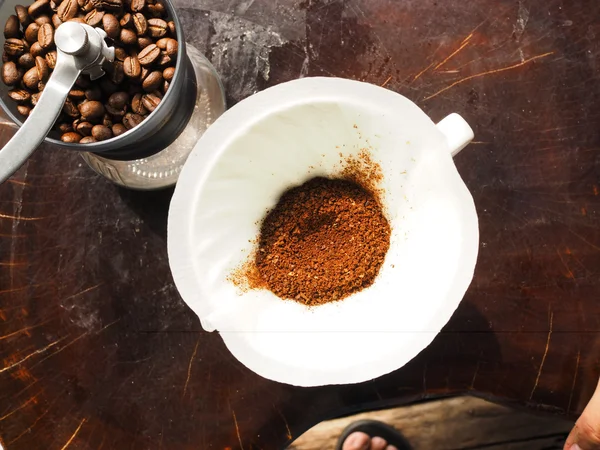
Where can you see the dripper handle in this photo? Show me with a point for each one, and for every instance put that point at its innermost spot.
(457, 131)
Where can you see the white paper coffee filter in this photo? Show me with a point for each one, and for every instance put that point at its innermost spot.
(280, 138)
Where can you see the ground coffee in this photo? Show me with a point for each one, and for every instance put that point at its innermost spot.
(323, 241)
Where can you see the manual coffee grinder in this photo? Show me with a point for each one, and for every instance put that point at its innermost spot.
(148, 156)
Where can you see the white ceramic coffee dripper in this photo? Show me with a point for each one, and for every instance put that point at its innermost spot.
(282, 137)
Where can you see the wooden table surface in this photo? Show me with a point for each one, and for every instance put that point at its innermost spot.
(97, 348)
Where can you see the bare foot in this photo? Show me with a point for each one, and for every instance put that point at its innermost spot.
(362, 441)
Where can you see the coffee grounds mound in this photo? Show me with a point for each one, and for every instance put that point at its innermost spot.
(323, 241)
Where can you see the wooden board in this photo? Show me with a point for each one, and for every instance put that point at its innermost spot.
(452, 424)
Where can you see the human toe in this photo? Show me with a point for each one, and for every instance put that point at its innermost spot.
(378, 443)
(357, 441)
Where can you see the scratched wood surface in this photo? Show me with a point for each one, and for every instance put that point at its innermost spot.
(98, 350)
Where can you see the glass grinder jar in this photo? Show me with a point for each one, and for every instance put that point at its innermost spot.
(150, 155)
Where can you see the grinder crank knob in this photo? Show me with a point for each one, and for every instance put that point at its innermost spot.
(71, 38)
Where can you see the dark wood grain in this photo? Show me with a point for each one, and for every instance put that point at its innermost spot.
(98, 350)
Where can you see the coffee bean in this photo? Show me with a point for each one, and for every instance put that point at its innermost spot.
(162, 43)
(101, 132)
(148, 55)
(126, 21)
(140, 23)
(137, 5)
(115, 112)
(12, 27)
(23, 15)
(118, 129)
(157, 27)
(156, 10)
(46, 36)
(172, 29)
(108, 5)
(85, 5)
(36, 49)
(137, 105)
(41, 85)
(157, 93)
(91, 109)
(54, 4)
(31, 32)
(151, 12)
(35, 98)
(132, 120)
(31, 79)
(94, 17)
(42, 68)
(71, 137)
(118, 99)
(117, 74)
(84, 128)
(168, 73)
(144, 73)
(150, 102)
(67, 10)
(42, 20)
(23, 110)
(26, 61)
(51, 59)
(169, 45)
(165, 86)
(111, 26)
(164, 59)
(78, 20)
(70, 109)
(6, 58)
(152, 81)
(87, 140)
(64, 127)
(131, 67)
(56, 22)
(19, 95)
(128, 37)
(144, 41)
(38, 7)
(11, 74)
(172, 47)
(94, 93)
(107, 120)
(120, 54)
(77, 94)
(14, 46)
